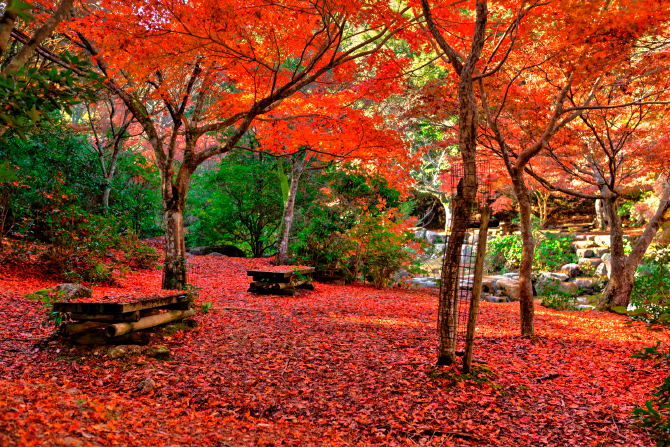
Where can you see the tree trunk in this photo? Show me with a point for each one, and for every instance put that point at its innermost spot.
(447, 313)
(289, 206)
(601, 216)
(174, 269)
(622, 275)
(105, 199)
(526, 302)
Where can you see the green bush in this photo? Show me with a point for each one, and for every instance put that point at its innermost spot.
(654, 415)
(554, 297)
(553, 251)
(382, 248)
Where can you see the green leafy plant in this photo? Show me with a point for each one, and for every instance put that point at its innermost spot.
(654, 415)
(205, 307)
(47, 298)
(554, 297)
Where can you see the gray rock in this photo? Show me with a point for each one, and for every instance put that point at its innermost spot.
(420, 233)
(117, 352)
(594, 262)
(190, 220)
(600, 251)
(431, 237)
(602, 241)
(572, 270)
(606, 256)
(217, 254)
(439, 248)
(602, 270)
(580, 237)
(425, 282)
(559, 276)
(582, 245)
(159, 352)
(494, 299)
(509, 288)
(584, 307)
(585, 284)
(488, 285)
(401, 274)
(585, 253)
(226, 250)
(64, 292)
(568, 287)
(546, 279)
(586, 299)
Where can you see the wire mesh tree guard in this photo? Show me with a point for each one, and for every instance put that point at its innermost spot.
(464, 275)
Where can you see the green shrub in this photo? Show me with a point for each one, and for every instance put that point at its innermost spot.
(553, 251)
(554, 297)
(654, 415)
(503, 253)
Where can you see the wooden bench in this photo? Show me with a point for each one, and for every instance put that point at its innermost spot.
(109, 322)
(281, 282)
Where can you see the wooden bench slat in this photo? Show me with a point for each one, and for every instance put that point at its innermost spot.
(119, 308)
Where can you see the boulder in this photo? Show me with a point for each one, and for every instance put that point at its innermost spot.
(572, 270)
(439, 248)
(582, 245)
(585, 253)
(559, 276)
(420, 233)
(568, 287)
(64, 292)
(593, 262)
(190, 220)
(488, 285)
(424, 282)
(494, 299)
(600, 251)
(602, 270)
(602, 241)
(431, 237)
(606, 256)
(225, 250)
(217, 254)
(509, 288)
(117, 352)
(580, 237)
(586, 284)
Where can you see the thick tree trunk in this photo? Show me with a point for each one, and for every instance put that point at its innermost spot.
(526, 302)
(622, 275)
(289, 206)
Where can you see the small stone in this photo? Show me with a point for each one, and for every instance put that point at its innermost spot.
(117, 352)
(159, 353)
(72, 442)
(146, 386)
(584, 307)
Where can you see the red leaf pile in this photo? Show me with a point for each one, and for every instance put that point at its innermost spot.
(343, 365)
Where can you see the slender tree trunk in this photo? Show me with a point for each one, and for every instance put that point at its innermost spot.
(601, 216)
(174, 200)
(289, 206)
(105, 198)
(526, 302)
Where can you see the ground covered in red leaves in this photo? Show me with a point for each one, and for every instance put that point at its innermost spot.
(343, 365)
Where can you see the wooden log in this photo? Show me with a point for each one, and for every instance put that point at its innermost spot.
(114, 330)
(99, 337)
(148, 312)
(476, 290)
(131, 316)
(69, 329)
